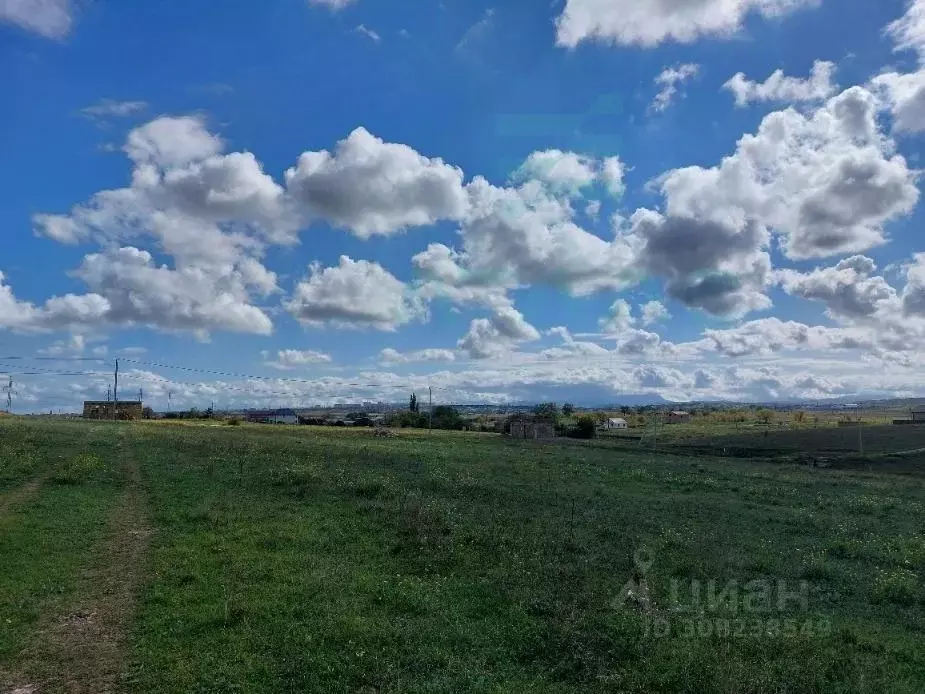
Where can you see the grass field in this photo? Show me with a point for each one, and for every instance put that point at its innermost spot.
(150, 557)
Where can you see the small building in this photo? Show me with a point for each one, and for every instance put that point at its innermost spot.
(918, 415)
(282, 416)
(531, 428)
(678, 417)
(616, 423)
(107, 409)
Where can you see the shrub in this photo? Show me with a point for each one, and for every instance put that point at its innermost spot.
(585, 428)
(234, 422)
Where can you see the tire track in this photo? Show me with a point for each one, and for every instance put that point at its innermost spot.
(86, 650)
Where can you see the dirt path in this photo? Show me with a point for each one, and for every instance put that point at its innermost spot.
(21, 495)
(86, 650)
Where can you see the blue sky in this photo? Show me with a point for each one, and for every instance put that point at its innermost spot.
(489, 191)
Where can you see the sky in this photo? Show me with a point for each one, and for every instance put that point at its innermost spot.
(316, 201)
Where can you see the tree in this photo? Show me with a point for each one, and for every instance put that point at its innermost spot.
(548, 410)
(413, 404)
(765, 415)
(624, 410)
(568, 409)
(585, 428)
(446, 417)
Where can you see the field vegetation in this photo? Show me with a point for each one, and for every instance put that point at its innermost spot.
(164, 557)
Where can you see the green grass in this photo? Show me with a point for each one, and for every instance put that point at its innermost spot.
(303, 559)
(45, 541)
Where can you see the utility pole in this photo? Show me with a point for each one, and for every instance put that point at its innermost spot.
(655, 439)
(860, 436)
(109, 393)
(141, 395)
(9, 396)
(430, 407)
(115, 391)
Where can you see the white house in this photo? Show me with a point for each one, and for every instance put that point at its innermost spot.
(617, 423)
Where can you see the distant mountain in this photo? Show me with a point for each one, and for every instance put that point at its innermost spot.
(590, 395)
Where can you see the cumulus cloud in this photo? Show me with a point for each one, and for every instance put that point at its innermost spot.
(769, 335)
(373, 187)
(903, 94)
(392, 356)
(847, 289)
(498, 334)
(287, 359)
(716, 265)
(619, 319)
(571, 347)
(653, 312)
(647, 24)
(827, 182)
(913, 296)
(354, 294)
(68, 312)
(200, 300)
(524, 236)
(781, 88)
(568, 173)
(172, 141)
(668, 81)
(49, 18)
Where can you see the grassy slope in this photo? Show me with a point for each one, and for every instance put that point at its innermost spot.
(321, 560)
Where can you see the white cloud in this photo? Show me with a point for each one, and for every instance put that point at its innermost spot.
(498, 334)
(769, 335)
(392, 356)
(630, 22)
(287, 359)
(372, 187)
(653, 312)
(568, 174)
(58, 313)
(781, 88)
(668, 80)
(195, 299)
(847, 289)
(354, 294)
(524, 236)
(477, 32)
(904, 95)
(913, 296)
(612, 174)
(172, 141)
(371, 34)
(563, 172)
(619, 319)
(827, 182)
(334, 5)
(108, 108)
(49, 18)
(908, 32)
(571, 347)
